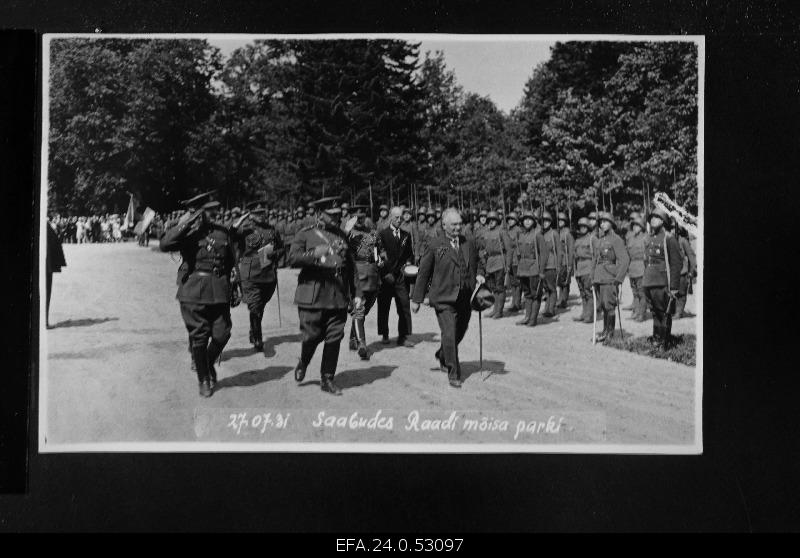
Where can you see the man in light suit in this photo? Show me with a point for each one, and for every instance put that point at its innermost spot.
(450, 265)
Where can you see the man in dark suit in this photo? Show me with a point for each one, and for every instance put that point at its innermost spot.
(53, 263)
(450, 265)
(397, 244)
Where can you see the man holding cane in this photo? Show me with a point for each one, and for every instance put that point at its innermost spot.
(450, 265)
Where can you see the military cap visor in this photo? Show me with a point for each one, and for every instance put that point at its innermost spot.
(211, 205)
(255, 203)
(198, 200)
(328, 204)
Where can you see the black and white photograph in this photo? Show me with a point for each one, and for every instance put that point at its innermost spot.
(442, 243)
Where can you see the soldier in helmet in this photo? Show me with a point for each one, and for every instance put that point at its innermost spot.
(383, 217)
(530, 267)
(594, 236)
(513, 230)
(567, 257)
(635, 244)
(552, 257)
(608, 271)
(345, 215)
(365, 243)
(661, 281)
(480, 224)
(494, 251)
(422, 231)
(205, 287)
(311, 217)
(327, 285)
(582, 257)
(259, 246)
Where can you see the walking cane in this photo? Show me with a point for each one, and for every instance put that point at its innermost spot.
(594, 316)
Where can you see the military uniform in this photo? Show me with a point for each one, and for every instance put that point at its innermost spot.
(530, 268)
(609, 267)
(662, 267)
(582, 257)
(513, 232)
(635, 244)
(258, 279)
(364, 244)
(495, 254)
(383, 219)
(565, 269)
(552, 258)
(326, 285)
(204, 290)
(688, 272)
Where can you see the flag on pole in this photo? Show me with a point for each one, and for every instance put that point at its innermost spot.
(130, 215)
(142, 225)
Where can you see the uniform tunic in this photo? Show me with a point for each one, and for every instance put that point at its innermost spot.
(204, 286)
(258, 281)
(494, 251)
(609, 268)
(530, 264)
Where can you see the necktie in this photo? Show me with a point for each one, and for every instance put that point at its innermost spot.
(397, 234)
(454, 243)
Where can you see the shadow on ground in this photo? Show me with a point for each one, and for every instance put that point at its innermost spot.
(269, 347)
(414, 338)
(474, 367)
(358, 377)
(254, 377)
(83, 322)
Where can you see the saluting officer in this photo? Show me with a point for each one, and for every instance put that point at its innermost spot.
(583, 256)
(662, 269)
(326, 286)
(495, 253)
(365, 243)
(530, 267)
(635, 243)
(552, 257)
(608, 271)
(565, 268)
(204, 290)
(259, 246)
(513, 230)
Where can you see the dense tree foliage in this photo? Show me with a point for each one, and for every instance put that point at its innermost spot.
(600, 124)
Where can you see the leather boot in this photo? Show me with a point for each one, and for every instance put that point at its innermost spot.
(353, 343)
(499, 302)
(306, 352)
(258, 336)
(214, 351)
(330, 356)
(527, 305)
(200, 354)
(612, 324)
(603, 334)
(361, 335)
(516, 299)
(252, 337)
(534, 317)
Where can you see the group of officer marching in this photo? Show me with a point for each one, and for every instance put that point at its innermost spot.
(348, 263)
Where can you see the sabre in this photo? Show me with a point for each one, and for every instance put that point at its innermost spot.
(278, 294)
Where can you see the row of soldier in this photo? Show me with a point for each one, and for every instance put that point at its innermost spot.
(348, 262)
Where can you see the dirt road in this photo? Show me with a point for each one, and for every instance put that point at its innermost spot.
(118, 371)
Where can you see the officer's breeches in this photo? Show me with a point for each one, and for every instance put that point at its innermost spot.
(204, 321)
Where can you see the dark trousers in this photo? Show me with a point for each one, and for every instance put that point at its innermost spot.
(550, 287)
(585, 289)
(607, 297)
(639, 302)
(207, 321)
(683, 291)
(453, 322)
(563, 287)
(532, 288)
(322, 325)
(394, 288)
(658, 299)
(495, 281)
(257, 295)
(360, 314)
(49, 290)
